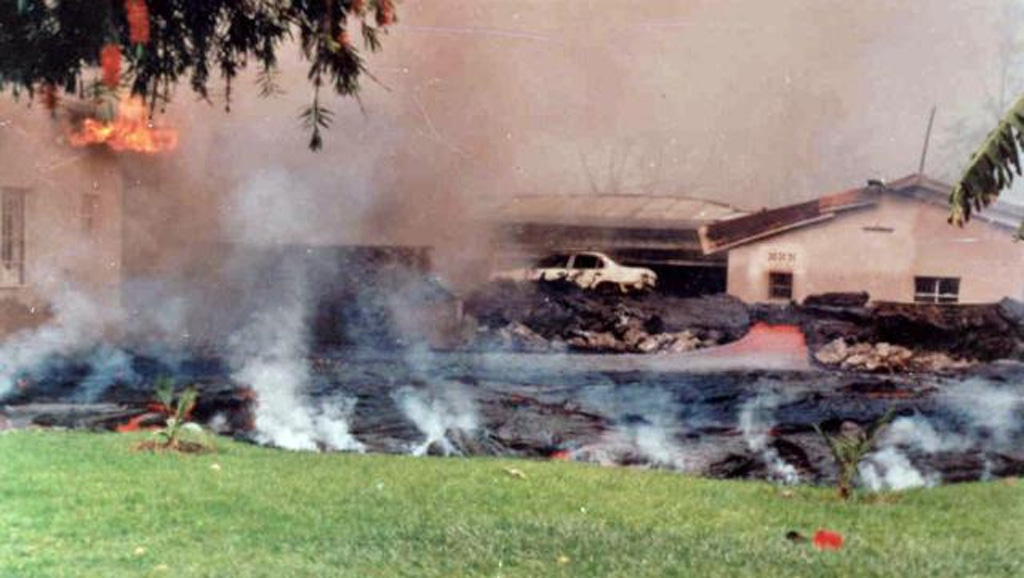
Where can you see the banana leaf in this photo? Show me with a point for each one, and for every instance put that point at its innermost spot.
(992, 169)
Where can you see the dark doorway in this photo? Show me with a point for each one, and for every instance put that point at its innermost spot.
(686, 281)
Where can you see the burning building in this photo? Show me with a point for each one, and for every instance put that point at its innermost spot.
(126, 127)
(102, 210)
(61, 221)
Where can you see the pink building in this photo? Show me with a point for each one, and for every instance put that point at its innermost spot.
(892, 241)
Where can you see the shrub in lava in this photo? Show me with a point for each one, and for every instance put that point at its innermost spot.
(850, 446)
(178, 411)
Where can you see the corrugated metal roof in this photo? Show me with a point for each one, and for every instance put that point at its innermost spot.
(616, 211)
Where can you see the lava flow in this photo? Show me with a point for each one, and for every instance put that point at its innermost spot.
(131, 130)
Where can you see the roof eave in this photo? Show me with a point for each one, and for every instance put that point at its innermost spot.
(710, 250)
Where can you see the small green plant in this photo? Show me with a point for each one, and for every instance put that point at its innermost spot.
(850, 446)
(178, 411)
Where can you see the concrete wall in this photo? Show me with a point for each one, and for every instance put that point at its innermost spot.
(65, 249)
(856, 251)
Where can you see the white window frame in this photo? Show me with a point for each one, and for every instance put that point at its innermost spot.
(935, 295)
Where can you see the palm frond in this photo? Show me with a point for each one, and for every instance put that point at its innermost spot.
(992, 168)
(165, 392)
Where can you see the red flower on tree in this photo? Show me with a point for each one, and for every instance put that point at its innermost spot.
(138, 21)
(385, 12)
(110, 61)
(345, 39)
(826, 540)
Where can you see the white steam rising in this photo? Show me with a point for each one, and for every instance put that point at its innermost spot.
(269, 355)
(107, 365)
(890, 469)
(657, 443)
(993, 412)
(646, 426)
(330, 422)
(77, 323)
(756, 420)
(270, 352)
(990, 420)
(437, 411)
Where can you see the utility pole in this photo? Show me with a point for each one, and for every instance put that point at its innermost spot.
(927, 138)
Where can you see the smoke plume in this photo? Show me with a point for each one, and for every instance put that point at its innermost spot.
(646, 426)
(78, 323)
(756, 419)
(270, 352)
(985, 417)
(437, 411)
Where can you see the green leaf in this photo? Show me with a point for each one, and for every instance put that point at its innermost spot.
(165, 392)
(992, 168)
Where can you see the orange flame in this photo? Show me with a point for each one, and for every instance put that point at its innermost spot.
(134, 424)
(562, 456)
(132, 130)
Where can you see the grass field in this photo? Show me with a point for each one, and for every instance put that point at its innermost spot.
(75, 504)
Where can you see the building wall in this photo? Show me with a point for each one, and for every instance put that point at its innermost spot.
(880, 250)
(72, 217)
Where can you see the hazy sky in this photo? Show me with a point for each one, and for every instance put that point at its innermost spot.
(749, 102)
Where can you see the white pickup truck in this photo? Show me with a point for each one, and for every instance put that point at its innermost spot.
(589, 270)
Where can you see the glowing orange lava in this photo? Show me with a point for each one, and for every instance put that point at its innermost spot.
(131, 130)
(134, 424)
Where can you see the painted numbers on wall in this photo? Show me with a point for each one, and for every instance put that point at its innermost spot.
(781, 257)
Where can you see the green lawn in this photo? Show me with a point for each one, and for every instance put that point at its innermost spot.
(74, 504)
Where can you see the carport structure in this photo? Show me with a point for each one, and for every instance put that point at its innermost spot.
(659, 232)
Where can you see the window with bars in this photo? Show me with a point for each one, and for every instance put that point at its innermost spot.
(12, 237)
(780, 285)
(936, 289)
